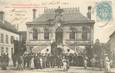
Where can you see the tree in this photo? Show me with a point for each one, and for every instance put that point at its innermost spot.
(97, 49)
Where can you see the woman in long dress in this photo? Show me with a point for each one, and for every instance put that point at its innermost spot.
(65, 64)
(93, 63)
(32, 63)
(107, 65)
(41, 62)
(85, 62)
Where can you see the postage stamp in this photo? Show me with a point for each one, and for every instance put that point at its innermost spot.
(104, 11)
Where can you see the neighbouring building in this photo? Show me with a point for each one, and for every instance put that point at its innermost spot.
(66, 27)
(8, 34)
(111, 43)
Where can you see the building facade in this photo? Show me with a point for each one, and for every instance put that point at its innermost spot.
(8, 34)
(66, 27)
(111, 43)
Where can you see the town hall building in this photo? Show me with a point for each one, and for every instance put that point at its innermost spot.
(66, 27)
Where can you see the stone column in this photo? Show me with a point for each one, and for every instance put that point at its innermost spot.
(52, 35)
(28, 35)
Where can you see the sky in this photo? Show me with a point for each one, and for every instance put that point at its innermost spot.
(18, 12)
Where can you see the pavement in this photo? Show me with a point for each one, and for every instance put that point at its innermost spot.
(58, 70)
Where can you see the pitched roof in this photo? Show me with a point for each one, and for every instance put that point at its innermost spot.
(8, 26)
(69, 15)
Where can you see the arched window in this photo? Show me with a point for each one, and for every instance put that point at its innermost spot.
(35, 34)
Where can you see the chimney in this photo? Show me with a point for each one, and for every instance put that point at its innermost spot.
(1, 16)
(34, 14)
(89, 12)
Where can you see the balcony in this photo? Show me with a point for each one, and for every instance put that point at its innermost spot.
(39, 42)
(75, 42)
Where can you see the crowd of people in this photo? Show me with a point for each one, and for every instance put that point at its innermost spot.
(41, 61)
(100, 63)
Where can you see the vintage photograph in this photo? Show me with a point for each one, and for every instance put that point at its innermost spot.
(57, 36)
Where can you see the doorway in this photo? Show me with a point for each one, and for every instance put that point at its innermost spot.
(59, 35)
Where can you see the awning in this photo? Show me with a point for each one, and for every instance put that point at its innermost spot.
(41, 49)
(46, 50)
(80, 49)
(68, 50)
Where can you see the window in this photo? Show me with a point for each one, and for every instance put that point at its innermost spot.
(30, 36)
(79, 28)
(12, 39)
(88, 36)
(7, 39)
(35, 34)
(86, 33)
(2, 49)
(46, 35)
(78, 36)
(7, 50)
(12, 51)
(2, 38)
(72, 35)
(84, 36)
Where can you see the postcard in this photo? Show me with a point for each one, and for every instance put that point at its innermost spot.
(57, 36)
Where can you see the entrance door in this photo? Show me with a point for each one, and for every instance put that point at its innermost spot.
(59, 35)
